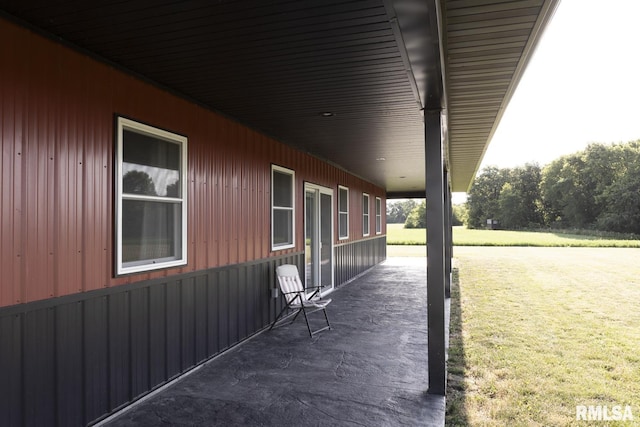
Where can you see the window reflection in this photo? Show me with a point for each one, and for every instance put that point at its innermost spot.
(150, 181)
(151, 166)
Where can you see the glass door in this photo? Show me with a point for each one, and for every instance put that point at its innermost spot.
(318, 237)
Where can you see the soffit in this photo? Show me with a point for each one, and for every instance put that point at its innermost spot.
(488, 45)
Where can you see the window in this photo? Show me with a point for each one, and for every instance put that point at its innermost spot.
(282, 208)
(365, 214)
(343, 212)
(151, 198)
(378, 215)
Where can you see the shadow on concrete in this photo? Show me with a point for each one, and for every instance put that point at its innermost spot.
(369, 370)
(456, 414)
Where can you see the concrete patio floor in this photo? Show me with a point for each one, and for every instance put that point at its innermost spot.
(369, 370)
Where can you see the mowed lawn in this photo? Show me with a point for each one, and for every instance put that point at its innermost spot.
(536, 331)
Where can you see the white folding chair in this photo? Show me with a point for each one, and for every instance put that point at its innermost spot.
(298, 299)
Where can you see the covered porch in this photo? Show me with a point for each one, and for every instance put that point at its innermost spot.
(400, 96)
(370, 369)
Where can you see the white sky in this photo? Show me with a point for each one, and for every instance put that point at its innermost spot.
(582, 85)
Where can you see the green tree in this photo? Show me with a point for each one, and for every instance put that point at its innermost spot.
(418, 216)
(552, 188)
(567, 195)
(621, 199)
(623, 214)
(460, 215)
(593, 188)
(483, 196)
(519, 200)
(398, 210)
(573, 186)
(510, 213)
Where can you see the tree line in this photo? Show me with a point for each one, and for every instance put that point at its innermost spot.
(597, 188)
(413, 213)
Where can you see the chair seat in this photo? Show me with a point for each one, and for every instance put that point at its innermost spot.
(320, 303)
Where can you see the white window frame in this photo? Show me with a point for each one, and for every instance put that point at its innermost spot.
(151, 264)
(366, 224)
(378, 215)
(343, 213)
(292, 208)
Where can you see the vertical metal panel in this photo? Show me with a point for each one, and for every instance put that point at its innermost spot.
(34, 156)
(256, 299)
(119, 347)
(69, 182)
(174, 329)
(139, 338)
(11, 88)
(158, 334)
(39, 368)
(263, 197)
(11, 368)
(224, 205)
(96, 354)
(338, 272)
(250, 299)
(218, 211)
(233, 305)
(269, 271)
(200, 318)
(266, 283)
(187, 309)
(223, 310)
(199, 209)
(68, 342)
(212, 314)
(98, 155)
(213, 195)
(240, 224)
(244, 303)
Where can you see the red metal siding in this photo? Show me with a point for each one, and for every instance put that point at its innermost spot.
(57, 112)
(11, 196)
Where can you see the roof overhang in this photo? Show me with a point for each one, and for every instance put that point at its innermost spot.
(488, 46)
(344, 81)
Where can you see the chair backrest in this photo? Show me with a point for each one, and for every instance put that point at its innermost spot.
(289, 281)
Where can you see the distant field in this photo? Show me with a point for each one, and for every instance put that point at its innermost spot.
(536, 332)
(398, 235)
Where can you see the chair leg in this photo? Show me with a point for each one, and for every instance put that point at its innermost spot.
(280, 315)
(296, 316)
(326, 317)
(324, 328)
(306, 319)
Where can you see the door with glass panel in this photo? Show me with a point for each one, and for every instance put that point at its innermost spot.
(318, 214)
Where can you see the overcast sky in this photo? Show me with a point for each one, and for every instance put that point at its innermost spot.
(582, 85)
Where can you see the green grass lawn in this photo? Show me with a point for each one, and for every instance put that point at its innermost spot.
(537, 331)
(397, 235)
